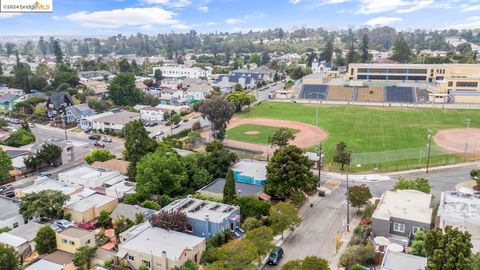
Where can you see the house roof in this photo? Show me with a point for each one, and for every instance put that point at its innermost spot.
(200, 209)
(44, 265)
(120, 166)
(10, 208)
(405, 204)
(12, 240)
(58, 98)
(58, 257)
(14, 152)
(27, 231)
(402, 261)
(155, 241)
(89, 202)
(75, 232)
(81, 110)
(44, 183)
(252, 168)
(8, 97)
(129, 211)
(122, 117)
(243, 189)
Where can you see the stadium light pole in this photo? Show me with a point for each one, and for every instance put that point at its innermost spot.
(429, 148)
(348, 207)
(319, 153)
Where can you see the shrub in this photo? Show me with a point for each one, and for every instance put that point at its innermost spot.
(130, 199)
(358, 255)
(151, 205)
(368, 211)
(298, 198)
(251, 223)
(321, 193)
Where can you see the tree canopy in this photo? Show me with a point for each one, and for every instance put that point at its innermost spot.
(219, 111)
(169, 220)
(5, 165)
(137, 143)
(448, 249)
(229, 190)
(83, 257)
(343, 156)
(401, 51)
(283, 216)
(309, 263)
(122, 90)
(281, 137)
(45, 240)
(359, 195)
(44, 204)
(9, 259)
(99, 155)
(420, 184)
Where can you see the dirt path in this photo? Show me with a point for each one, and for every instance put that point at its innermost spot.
(458, 139)
(306, 136)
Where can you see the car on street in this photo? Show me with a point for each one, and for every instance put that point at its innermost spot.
(99, 144)
(45, 174)
(275, 256)
(94, 137)
(107, 139)
(15, 121)
(7, 191)
(63, 223)
(175, 126)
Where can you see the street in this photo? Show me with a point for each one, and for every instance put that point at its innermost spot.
(318, 229)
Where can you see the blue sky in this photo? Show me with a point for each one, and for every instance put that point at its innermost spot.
(106, 17)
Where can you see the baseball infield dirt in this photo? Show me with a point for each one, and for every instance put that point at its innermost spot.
(460, 140)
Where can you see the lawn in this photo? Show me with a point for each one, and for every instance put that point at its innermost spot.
(258, 133)
(373, 129)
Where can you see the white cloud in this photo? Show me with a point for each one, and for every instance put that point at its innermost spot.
(169, 3)
(470, 8)
(469, 23)
(203, 9)
(247, 29)
(295, 1)
(417, 6)
(181, 26)
(9, 15)
(234, 21)
(400, 6)
(382, 21)
(124, 17)
(211, 23)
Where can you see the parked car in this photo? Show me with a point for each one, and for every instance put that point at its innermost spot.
(63, 223)
(160, 133)
(275, 256)
(94, 137)
(31, 125)
(45, 174)
(15, 121)
(7, 191)
(107, 139)
(175, 126)
(99, 144)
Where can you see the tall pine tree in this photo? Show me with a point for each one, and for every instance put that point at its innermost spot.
(364, 48)
(401, 51)
(229, 190)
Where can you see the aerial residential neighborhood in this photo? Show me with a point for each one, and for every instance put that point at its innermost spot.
(239, 135)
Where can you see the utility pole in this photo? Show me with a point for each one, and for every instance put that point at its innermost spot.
(319, 165)
(171, 124)
(429, 146)
(467, 121)
(348, 207)
(65, 126)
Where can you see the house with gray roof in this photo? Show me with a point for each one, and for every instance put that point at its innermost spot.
(250, 171)
(207, 218)
(215, 189)
(10, 214)
(130, 211)
(57, 103)
(7, 101)
(77, 112)
(402, 261)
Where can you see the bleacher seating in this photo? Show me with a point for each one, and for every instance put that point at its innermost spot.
(399, 94)
(422, 95)
(309, 91)
(371, 93)
(338, 92)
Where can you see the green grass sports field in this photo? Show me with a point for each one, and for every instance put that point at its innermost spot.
(371, 129)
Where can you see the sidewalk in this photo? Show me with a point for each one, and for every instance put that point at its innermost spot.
(345, 239)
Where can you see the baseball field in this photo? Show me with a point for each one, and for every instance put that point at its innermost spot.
(389, 137)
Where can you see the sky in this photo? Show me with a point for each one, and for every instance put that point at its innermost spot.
(107, 17)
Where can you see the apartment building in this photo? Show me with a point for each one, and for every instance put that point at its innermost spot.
(183, 72)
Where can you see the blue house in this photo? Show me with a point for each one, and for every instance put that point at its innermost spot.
(250, 171)
(207, 218)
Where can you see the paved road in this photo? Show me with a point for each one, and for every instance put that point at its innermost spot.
(316, 234)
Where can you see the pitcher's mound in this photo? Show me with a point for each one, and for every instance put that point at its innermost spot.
(461, 140)
(253, 132)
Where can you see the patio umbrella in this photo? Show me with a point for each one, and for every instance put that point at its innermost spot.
(395, 247)
(381, 241)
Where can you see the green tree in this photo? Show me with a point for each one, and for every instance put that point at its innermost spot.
(125, 66)
(216, 160)
(5, 229)
(476, 261)
(252, 207)
(57, 51)
(229, 190)
(45, 240)
(448, 249)
(160, 173)
(188, 265)
(219, 111)
(255, 58)
(420, 184)
(343, 155)
(99, 155)
(418, 245)
(327, 52)
(358, 254)
(139, 218)
(401, 51)
(137, 144)
(151, 205)
(64, 74)
(121, 224)
(281, 137)
(283, 216)
(44, 204)
(364, 57)
(176, 118)
(359, 195)
(238, 255)
(143, 267)
(9, 259)
(289, 171)
(83, 257)
(262, 238)
(251, 223)
(104, 219)
(22, 76)
(240, 99)
(122, 90)
(20, 137)
(352, 55)
(309, 263)
(158, 75)
(5, 165)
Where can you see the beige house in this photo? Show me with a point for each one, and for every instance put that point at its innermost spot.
(89, 208)
(160, 249)
(70, 239)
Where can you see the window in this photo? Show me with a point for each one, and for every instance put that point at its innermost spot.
(147, 264)
(87, 242)
(71, 243)
(398, 227)
(467, 84)
(189, 228)
(15, 225)
(64, 241)
(131, 258)
(415, 229)
(450, 84)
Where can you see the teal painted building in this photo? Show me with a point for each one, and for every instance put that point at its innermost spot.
(250, 171)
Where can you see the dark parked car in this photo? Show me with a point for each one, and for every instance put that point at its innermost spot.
(94, 137)
(275, 256)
